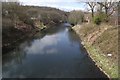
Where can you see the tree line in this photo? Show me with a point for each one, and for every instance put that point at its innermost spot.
(103, 11)
(106, 11)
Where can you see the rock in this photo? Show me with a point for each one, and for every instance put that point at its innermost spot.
(109, 55)
(105, 28)
(82, 43)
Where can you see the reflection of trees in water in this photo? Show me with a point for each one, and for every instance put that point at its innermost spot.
(50, 31)
(17, 55)
(73, 36)
(11, 62)
(55, 29)
(14, 57)
(39, 35)
(20, 55)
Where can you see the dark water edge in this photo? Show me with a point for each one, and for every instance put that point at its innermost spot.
(58, 53)
(27, 36)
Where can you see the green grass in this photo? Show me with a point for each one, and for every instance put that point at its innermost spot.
(106, 43)
(102, 61)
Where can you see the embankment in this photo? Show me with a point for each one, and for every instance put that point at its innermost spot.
(101, 42)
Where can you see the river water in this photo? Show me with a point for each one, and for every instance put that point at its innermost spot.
(56, 53)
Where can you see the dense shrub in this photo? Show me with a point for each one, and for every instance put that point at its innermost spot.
(97, 20)
(51, 16)
(101, 17)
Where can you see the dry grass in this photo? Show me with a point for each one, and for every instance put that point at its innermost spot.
(100, 41)
(108, 43)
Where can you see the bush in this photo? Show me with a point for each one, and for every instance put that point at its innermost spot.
(97, 20)
(102, 17)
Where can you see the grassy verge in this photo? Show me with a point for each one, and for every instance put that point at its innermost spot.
(101, 43)
(102, 61)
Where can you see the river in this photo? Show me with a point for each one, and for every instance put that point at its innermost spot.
(57, 53)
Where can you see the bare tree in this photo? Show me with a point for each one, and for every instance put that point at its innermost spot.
(92, 7)
(109, 7)
(99, 8)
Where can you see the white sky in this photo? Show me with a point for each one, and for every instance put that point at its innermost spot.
(61, 4)
(66, 5)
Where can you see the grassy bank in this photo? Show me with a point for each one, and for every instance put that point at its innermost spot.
(101, 43)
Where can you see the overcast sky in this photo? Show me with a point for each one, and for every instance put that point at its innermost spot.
(61, 4)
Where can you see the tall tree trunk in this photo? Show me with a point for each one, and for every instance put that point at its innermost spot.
(92, 13)
(101, 8)
(106, 11)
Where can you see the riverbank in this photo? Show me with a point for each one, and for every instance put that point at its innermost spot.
(102, 45)
(10, 42)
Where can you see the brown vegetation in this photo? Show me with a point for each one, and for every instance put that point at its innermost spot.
(102, 44)
(19, 20)
(76, 17)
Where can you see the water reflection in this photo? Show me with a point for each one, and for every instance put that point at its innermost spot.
(40, 46)
(57, 53)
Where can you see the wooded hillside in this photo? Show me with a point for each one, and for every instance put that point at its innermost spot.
(19, 21)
